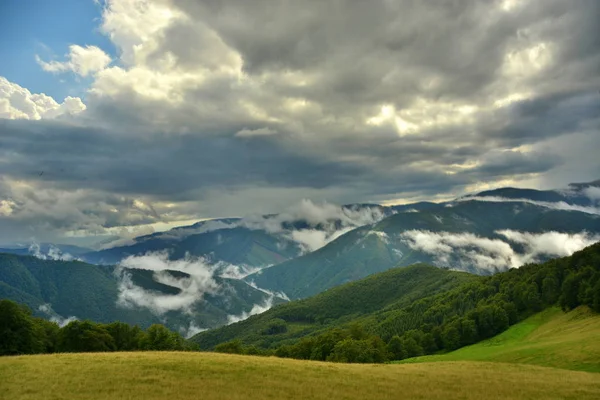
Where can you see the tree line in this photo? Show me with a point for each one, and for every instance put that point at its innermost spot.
(22, 333)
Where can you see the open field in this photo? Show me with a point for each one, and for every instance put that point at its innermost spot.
(551, 338)
(154, 375)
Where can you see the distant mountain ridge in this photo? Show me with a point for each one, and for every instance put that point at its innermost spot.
(254, 241)
(376, 248)
(227, 269)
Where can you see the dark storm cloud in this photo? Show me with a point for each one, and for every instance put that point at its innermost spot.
(159, 165)
(473, 94)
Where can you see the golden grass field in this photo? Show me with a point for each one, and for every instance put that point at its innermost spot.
(173, 375)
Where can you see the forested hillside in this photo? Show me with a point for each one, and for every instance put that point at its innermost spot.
(62, 289)
(473, 310)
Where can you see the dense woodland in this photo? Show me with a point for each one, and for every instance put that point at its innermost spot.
(448, 310)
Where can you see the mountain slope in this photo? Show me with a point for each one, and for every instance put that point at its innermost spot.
(337, 306)
(376, 248)
(231, 245)
(60, 288)
(432, 316)
(551, 338)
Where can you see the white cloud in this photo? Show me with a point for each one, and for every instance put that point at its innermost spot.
(6, 207)
(17, 102)
(256, 132)
(256, 309)
(191, 330)
(593, 193)
(464, 250)
(54, 317)
(326, 222)
(192, 289)
(53, 253)
(83, 61)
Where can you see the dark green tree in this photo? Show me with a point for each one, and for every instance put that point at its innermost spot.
(85, 336)
(396, 349)
(231, 347)
(17, 330)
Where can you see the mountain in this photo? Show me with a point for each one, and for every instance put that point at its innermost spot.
(417, 310)
(579, 194)
(236, 245)
(257, 241)
(475, 236)
(338, 306)
(62, 289)
(49, 251)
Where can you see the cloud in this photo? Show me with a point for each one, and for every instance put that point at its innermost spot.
(192, 289)
(256, 309)
(191, 330)
(81, 60)
(313, 225)
(554, 205)
(17, 102)
(180, 233)
(593, 193)
(47, 310)
(465, 251)
(239, 272)
(308, 224)
(255, 132)
(272, 294)
(164, 118)
(53, 253)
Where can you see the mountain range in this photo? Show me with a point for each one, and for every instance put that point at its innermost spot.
(220, 271)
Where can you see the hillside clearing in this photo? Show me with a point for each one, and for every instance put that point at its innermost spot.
(153, 375)
(550, 338)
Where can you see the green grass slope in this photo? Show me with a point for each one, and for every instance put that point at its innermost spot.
(341, 305)
(550, 338)
(209, 376)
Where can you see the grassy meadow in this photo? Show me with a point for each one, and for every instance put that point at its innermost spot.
(551, 338)
(173, 375)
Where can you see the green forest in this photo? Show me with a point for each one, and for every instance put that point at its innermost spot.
(398, 314)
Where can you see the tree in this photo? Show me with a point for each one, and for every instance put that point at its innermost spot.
(159, 337)
(357, 351)
(275, 326)
(85, 336)
(16, 329)
(125, 336)
(451, 336)
(550, 289)
(231, 347)
(469, 333)
(395, 348)
(570, 292)
(412, 348)
(46, 335)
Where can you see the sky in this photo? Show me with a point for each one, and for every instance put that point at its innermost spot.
(120, 117)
